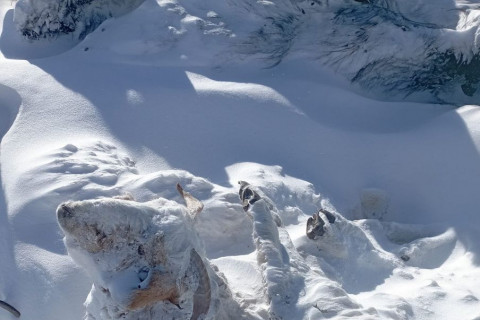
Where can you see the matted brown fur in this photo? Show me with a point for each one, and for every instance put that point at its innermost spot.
(162, 287)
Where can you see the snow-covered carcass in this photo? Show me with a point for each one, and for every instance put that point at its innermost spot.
(145, 259)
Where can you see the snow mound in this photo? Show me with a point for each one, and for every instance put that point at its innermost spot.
(184, 84)
(360, 269)
(390, 49)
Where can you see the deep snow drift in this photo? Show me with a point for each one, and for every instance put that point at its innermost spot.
(392, 49)
(168, 93)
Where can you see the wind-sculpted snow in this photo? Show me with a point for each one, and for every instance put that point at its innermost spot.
(9, 105)
(390, 53)
(392, 49)
(389, 48)
(266, 266)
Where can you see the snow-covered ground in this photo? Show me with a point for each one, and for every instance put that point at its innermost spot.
(160, 95)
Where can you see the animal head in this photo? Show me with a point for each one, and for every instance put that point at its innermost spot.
(138, 254)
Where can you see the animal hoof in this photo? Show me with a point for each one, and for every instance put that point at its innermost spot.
(247, 195)
(330, 216)
(315, 227)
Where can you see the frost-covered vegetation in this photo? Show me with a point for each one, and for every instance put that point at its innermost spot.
(50, 18)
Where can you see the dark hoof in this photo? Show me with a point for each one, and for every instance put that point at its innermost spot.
(315, 227)
(330, 216)
(247, 195)
(405, 257)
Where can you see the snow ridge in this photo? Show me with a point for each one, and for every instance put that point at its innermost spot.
(391, 49)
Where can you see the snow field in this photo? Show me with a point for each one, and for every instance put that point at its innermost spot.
(147, 101)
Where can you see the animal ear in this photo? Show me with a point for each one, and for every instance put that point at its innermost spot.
(194, 206)
(203, 294)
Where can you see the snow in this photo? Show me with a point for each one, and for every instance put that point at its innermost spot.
(168, 93)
